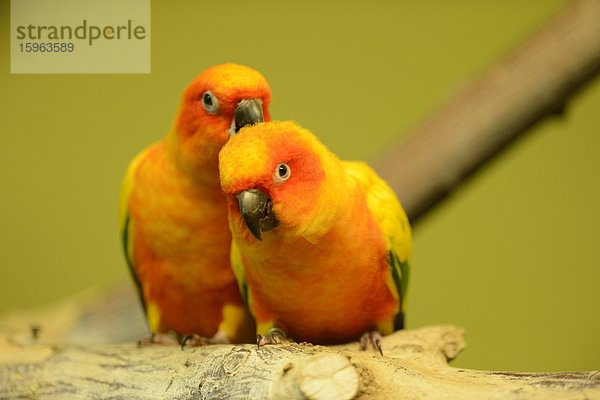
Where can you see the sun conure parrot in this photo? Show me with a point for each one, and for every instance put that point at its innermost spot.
(173, 216)
(320, 247)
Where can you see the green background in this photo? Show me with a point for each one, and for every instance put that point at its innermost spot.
(512, 257)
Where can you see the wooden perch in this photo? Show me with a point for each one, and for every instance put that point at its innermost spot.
(60, 363)
(532, 82)
(414, 366)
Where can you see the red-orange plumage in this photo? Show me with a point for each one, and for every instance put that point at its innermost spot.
(175, 218)
(330, 270)
(327, 293)
(180, 247)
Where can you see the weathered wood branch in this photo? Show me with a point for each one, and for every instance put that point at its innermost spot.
(532, 82)
(64, 359)
(414, 366)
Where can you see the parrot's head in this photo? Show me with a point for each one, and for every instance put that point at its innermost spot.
(278, 176)
(214, 107)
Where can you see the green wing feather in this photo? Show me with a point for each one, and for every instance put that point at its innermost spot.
(238, 271)
(399, 270)
(126, 242)
(125, 224)
(392, 219)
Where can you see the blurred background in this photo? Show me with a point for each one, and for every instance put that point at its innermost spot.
(512, 256)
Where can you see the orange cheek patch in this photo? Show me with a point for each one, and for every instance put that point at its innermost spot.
(298, 194)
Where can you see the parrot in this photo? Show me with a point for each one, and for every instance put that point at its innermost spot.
(173, 219)
(320, 247)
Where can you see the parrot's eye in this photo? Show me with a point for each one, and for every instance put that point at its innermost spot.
(282, 173)
(210, 102)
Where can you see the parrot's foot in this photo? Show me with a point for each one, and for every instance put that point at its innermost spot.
(373, 337)
(159, 338)
(274, 336)
(195, 340)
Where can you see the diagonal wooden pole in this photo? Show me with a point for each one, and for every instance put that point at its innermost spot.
(532, 82)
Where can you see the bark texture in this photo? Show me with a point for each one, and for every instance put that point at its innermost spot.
(66, 356)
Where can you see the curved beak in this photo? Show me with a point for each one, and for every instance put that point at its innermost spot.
(247, 112)
(255, 207)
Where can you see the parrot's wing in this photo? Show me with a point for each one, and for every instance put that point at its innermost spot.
(238, 271)
(125, 223)
(266, 327)
(392, 219)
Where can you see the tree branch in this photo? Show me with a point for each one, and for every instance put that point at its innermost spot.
(59, 362)
(414, 365)
(532, 82)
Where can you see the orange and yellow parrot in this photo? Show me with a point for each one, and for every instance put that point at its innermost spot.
(173, 216)
(320, 247)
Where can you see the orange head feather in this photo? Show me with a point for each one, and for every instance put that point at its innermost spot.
(207, 113)
(299, 175)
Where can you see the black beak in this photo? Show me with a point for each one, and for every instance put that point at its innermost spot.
(255, 207)
(247, 112)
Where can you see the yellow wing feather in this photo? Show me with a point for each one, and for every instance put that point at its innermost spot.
(125, 224)
(392, 219)
(383, 203)
(238, 271)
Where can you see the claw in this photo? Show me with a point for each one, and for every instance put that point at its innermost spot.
(184, 340)
(364, 340)
(194, 340)
(377, 342)
(274, 336)
(158, 338)
(173, 338)
(373, 337)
